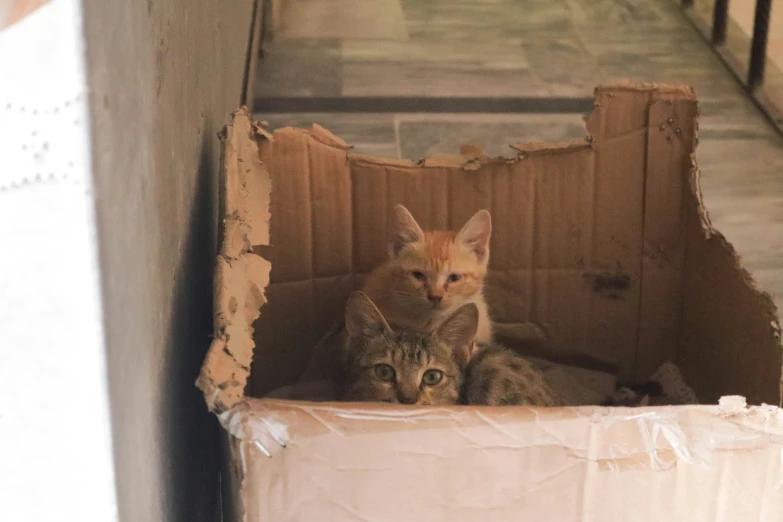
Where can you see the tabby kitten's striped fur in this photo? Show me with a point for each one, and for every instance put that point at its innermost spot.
(404, 366)
(497, 376)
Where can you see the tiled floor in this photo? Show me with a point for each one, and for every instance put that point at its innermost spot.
(562, 48)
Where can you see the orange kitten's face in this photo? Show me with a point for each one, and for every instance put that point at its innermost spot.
(440, 269)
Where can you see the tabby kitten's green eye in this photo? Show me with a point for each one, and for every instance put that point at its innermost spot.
(384, 372)
(432, 377)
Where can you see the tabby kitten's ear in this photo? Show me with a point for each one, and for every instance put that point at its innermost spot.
(403, 230)
(459, 331)
(362, 317)
(476, 233)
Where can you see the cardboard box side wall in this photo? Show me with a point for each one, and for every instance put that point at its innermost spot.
(730, 337)
(670, 140)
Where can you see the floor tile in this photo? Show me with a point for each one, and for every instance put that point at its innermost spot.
(390, 150)
(365, 19)
(302, 68)
(486, 56)
(353, 128)
(412, 79)
(419, 139)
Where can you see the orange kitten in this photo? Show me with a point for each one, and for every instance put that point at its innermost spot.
(426, 278)
(430, 274)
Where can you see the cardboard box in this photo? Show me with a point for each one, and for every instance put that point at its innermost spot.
(603, 244)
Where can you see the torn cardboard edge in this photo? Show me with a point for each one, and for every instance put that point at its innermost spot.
(241, 276)
(713, 234)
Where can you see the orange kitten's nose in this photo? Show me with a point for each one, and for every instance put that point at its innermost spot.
(435, 299)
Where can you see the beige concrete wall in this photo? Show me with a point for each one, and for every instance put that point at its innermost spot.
(163, 76)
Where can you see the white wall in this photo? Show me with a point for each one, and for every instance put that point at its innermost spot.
(55, 438)
(110, 161)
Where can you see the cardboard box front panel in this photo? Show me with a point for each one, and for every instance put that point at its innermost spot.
(305, 462)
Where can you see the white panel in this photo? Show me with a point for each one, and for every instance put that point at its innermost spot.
(55, 436)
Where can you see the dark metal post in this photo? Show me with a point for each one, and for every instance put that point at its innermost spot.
(758, 47)
(720, 18)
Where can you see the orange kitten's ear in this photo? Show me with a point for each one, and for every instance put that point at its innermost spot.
(362, 317)
(476, 233)
(403, 230)
(459, 331)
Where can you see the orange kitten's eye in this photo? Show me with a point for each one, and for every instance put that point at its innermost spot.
(418, 275)
(453, 278)
(384, 372)
(432, 377)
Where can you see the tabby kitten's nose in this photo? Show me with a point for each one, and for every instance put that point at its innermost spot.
(435, 299)
(406, 398)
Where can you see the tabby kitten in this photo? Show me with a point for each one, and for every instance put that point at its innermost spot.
(404, 367)
(426, 278)
(429, 275)
(497, 376)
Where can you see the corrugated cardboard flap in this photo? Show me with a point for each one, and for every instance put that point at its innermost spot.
(727, 318)
(240, 275)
